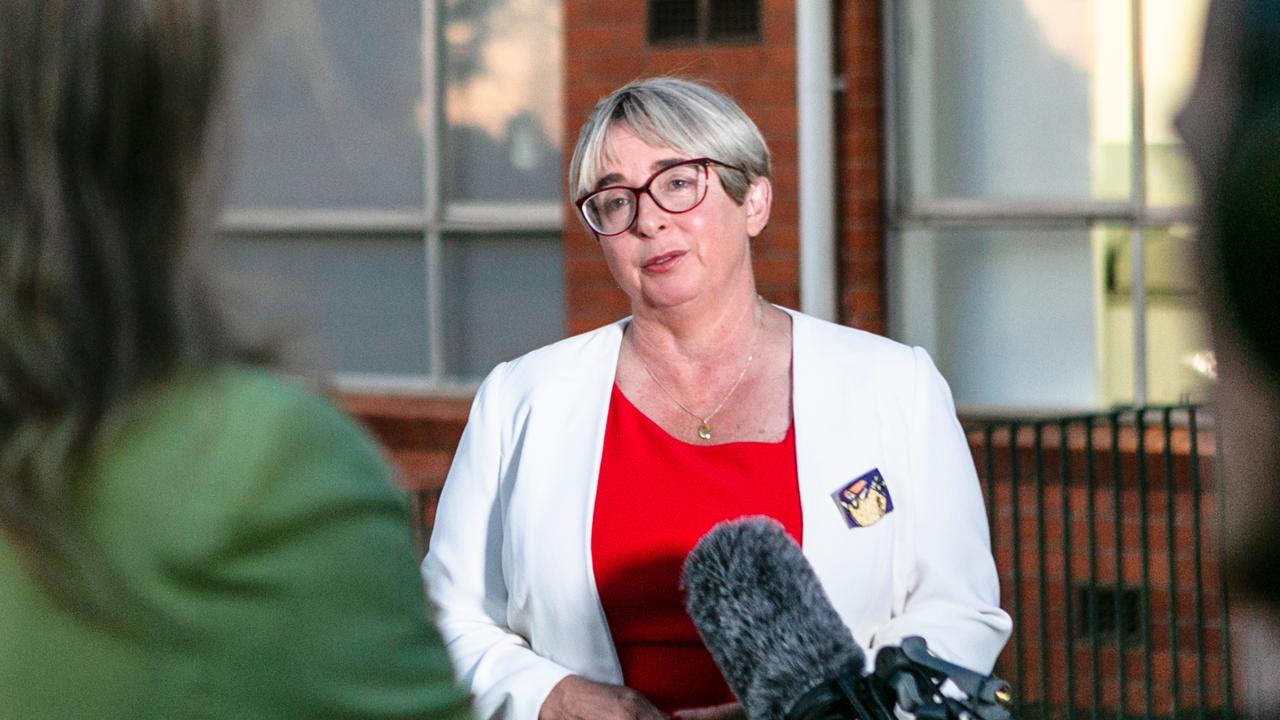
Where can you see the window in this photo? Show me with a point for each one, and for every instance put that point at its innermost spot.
(1032, 158)
(395, 205)
(692, 21)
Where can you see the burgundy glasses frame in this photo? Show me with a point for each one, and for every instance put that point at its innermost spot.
(705, 162)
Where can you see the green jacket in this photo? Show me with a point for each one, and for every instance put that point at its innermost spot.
(269, 565)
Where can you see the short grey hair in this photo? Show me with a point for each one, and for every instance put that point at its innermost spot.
(687, 117)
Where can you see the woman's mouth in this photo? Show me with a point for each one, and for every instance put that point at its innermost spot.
(664, 262)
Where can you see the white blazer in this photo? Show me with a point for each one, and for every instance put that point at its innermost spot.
(509, 567)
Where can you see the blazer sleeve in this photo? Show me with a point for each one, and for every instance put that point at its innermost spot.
(464, 572)
(953, 592)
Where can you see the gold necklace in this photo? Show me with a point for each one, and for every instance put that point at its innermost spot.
(704, 427)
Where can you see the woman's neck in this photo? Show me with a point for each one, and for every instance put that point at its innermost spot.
(697, 335)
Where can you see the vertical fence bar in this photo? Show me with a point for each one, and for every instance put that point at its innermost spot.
(1228, 702)
(1015, 538)
(1117, 602)
(1040, 572)
(1131, 611)
(1170, 518)
(1144, 542)
(1091, 510)
(1202, 689)
(1064, 473)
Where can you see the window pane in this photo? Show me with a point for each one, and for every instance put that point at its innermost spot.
(672, 20)
(503, 296)
(502, 67)
(1172, 33)
(1008, 315)
(1178, 355)
(1016, 99)
(734, 20)
(327, 104)
(353, 304)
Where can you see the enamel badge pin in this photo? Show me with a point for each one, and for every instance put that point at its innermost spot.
(865, 500)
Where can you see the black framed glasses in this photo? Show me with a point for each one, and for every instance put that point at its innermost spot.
(677, 188)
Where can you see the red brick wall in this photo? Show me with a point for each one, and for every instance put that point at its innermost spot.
(421, 436)
(1049, 555)
(605, 47)
(860, 166)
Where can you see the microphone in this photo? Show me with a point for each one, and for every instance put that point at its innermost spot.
(766, 620)
(787, 655)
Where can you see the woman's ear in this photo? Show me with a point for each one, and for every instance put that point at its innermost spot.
(758, 202)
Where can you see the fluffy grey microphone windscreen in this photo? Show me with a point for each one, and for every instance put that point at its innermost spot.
(763, 615)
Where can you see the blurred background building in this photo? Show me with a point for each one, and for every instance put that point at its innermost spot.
(398, 203)
(997, 181)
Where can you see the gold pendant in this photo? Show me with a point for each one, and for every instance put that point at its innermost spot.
(704, 431)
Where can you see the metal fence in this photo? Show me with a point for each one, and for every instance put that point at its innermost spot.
(1102, 530)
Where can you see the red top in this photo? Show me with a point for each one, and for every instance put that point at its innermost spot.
(657, 496)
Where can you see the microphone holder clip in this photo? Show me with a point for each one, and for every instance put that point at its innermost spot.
(910, 677)
(916, 677)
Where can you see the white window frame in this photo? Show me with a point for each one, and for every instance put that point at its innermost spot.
(904, 212)
(436, 220)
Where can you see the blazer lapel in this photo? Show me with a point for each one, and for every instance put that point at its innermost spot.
(563, 447)
(821, 402)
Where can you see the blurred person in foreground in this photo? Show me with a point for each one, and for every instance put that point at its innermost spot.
(589, 468)
(183, 533)
(1231, 125)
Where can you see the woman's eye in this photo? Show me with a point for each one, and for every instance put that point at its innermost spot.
(617, 204)
(679, 184)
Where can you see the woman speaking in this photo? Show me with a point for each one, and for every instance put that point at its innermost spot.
(590, 467)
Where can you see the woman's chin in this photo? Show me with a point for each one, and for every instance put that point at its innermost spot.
(669, 290)
(667, 298)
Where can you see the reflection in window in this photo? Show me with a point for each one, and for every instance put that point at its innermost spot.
(1001, 100)
(347, 303)
(329, 223)
(1177, 338)
(1016, 131)
(326, 103)
(502, 111)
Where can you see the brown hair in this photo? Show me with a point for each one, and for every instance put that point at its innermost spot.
(107, 112)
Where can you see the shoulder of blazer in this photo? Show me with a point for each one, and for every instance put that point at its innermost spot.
(825, 347)
(573, 358)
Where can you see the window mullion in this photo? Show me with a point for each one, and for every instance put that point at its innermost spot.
(429, 125)
(1138, 205)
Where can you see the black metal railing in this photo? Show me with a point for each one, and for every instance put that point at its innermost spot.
(1101, 528)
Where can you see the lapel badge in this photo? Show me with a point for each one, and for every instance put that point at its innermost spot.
(865, 500)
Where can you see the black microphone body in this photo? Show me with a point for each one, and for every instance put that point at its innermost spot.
(763, 615)
(787, 655)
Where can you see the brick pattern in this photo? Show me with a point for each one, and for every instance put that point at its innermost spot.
(1108, 532)
(1042, 571)
(605, 47)
(860, 167)
(1064, 548)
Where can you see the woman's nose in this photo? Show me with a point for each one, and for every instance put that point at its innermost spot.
(650, 217)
